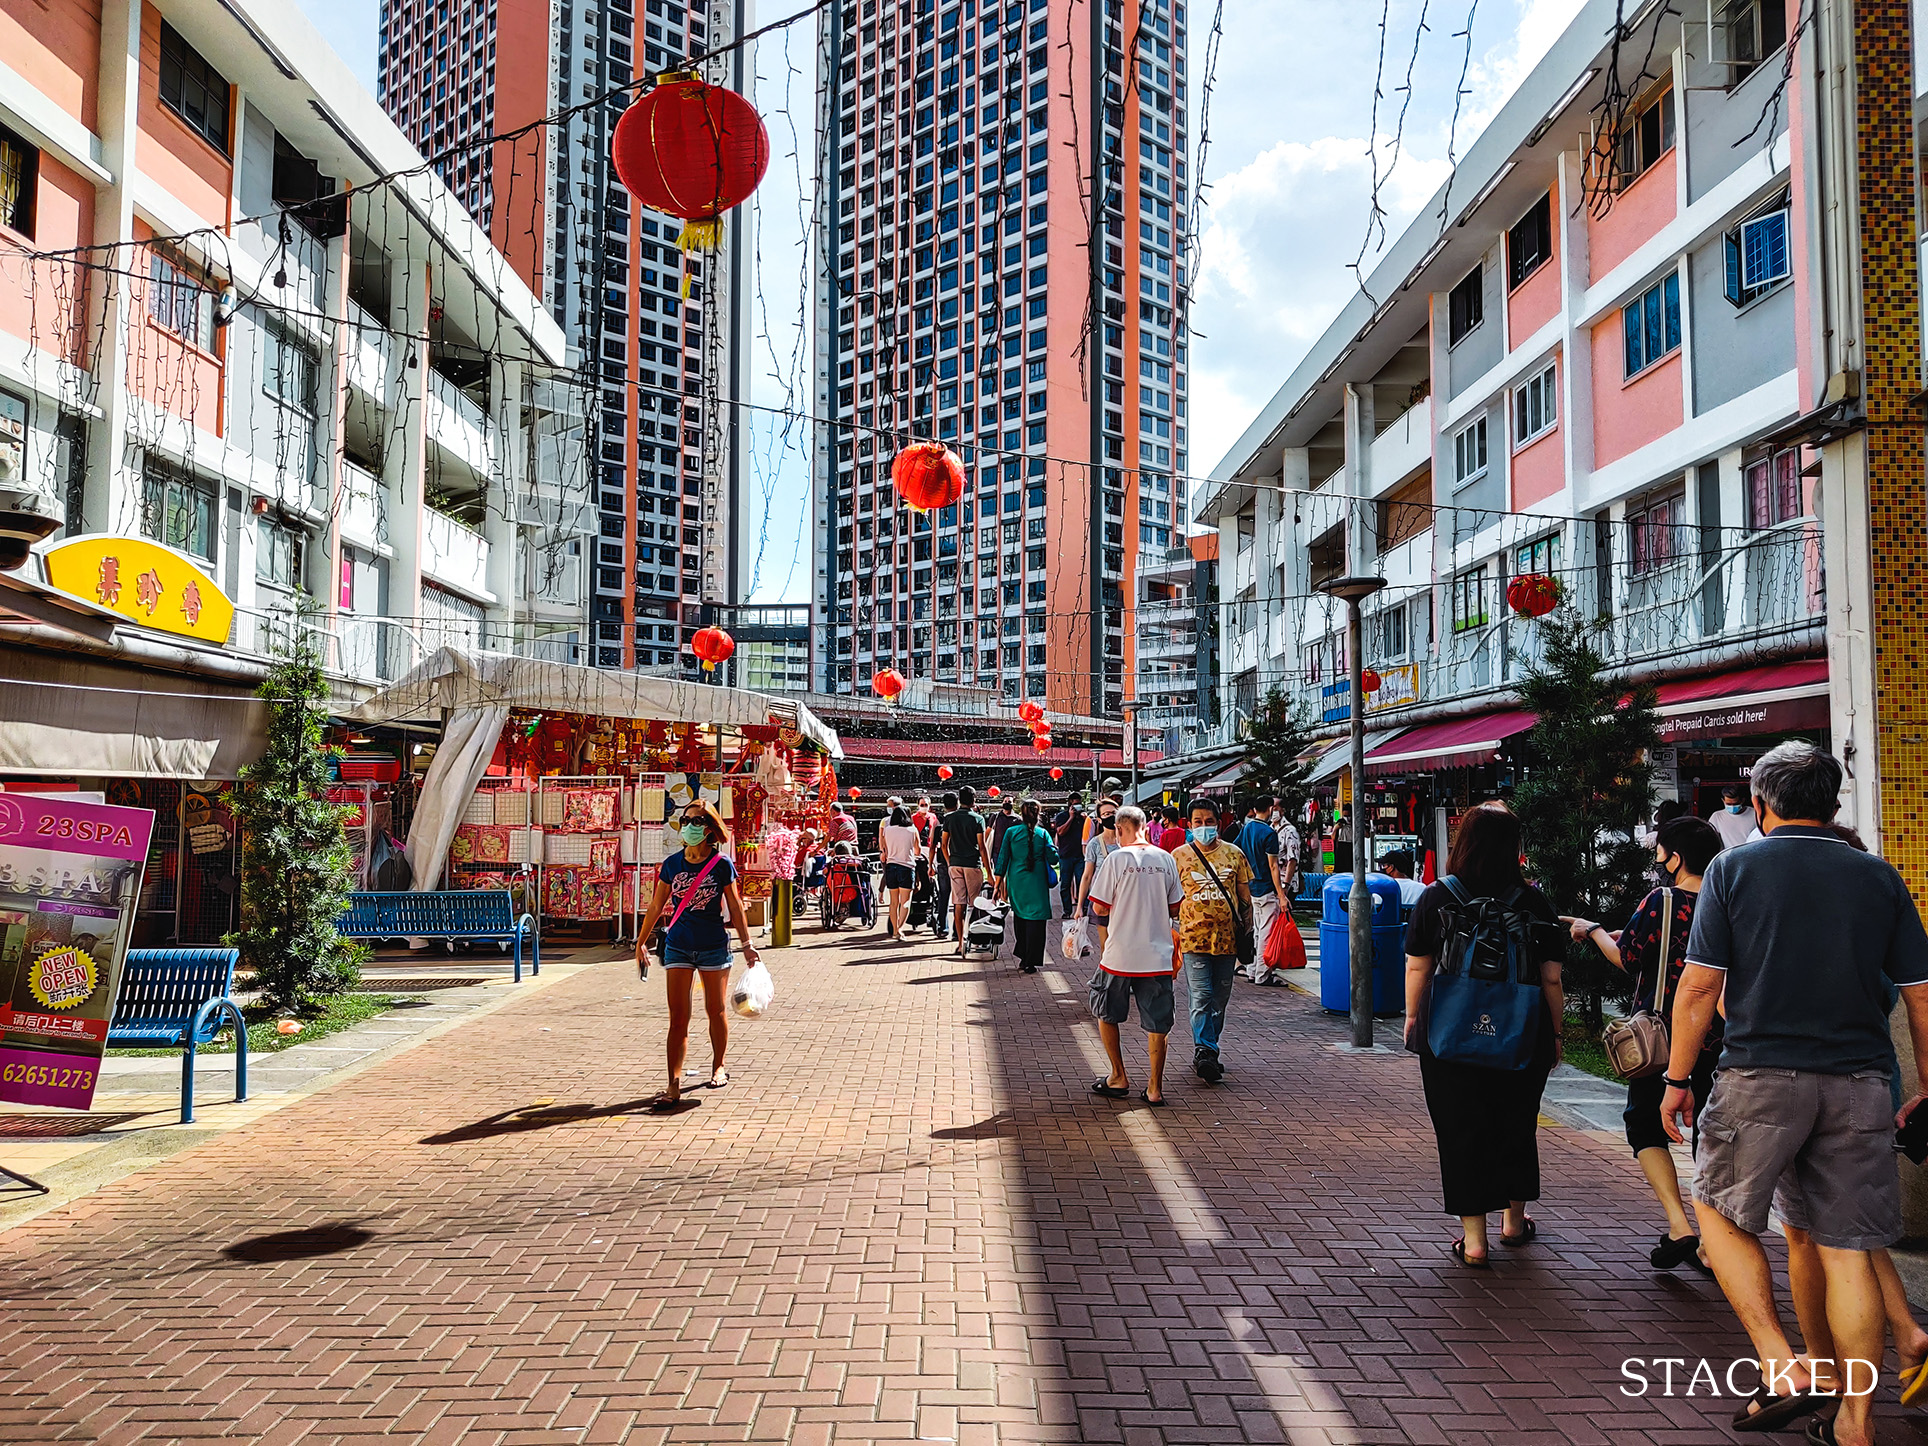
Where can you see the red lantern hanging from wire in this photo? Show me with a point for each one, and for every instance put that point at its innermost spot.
(692, 150)
(928, 475)
(1056, 774)
(994, 792)
(1030, 712)
(1533, 595)
(712, 646)
(944, 772)
(856, 793)
(1370, 681)
(887, 684)
(1042, 742)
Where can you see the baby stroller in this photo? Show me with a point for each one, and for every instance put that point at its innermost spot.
(984, 928)
(922, 893)
(846, 894)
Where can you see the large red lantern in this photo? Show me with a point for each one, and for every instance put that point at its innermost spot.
(1042, 742)
(712, 646)
(693, 150)
(1056, 774)
(1533, 595)
(888, 684)
(944, 772)
(1030, 712)
(1370, 681)
(928, 475)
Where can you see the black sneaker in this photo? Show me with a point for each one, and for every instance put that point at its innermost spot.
(1205, 1064)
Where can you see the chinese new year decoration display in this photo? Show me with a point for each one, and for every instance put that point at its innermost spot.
(888, 684)
(693, 150)
(1532, 595)
(1370, 681)
(1030, 712)
(928, 475)
(1042, 742)
(712, 645)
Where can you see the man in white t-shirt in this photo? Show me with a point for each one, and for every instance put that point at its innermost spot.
(1735, 822)
(1134, 897)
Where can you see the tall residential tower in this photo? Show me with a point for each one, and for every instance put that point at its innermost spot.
(1003, 269)
(658, 370)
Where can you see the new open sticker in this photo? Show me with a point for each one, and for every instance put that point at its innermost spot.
(63, 978)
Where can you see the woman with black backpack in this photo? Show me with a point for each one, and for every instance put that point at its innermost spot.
(1483, 1001)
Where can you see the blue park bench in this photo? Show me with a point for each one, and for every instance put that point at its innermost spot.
(1311, 889)
(469, 914)
(171, 997)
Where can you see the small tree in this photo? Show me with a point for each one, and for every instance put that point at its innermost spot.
(1274, 738)
(1585, 791)
(296, 869)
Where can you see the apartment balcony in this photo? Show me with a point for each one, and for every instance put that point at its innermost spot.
(369, 349)
(455, 557)
(360, 506)
(1404, 446)
(458, 426)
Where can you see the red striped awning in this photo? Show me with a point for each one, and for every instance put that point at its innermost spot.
(920, 750)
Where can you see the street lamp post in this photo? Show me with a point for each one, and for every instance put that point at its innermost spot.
(1353, 591)
(1129, 707)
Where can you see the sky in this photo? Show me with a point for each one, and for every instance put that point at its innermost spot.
(1288, 172)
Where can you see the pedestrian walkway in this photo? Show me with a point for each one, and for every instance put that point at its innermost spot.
(906, 1219)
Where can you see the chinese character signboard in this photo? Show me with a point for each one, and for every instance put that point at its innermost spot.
(1398, 686)
(144, 582)
(70, 874)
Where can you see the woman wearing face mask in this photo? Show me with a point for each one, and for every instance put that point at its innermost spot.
(1024, 862)
(1682, 848)
(1102, 843)
(692, 888)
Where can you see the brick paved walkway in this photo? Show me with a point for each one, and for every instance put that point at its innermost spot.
(905, 1220)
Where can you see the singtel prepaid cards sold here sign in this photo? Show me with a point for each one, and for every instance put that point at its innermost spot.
(70, 874)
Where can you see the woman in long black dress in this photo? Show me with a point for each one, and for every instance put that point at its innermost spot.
(1485, 1120)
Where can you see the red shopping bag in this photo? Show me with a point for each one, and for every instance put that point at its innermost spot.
(1284, 946)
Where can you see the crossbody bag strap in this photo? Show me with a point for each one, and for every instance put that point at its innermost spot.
(1666, 942)
(690, 893)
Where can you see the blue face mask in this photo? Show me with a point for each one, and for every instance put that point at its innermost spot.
(694, 834)
(1736, 807)
(1207, 835)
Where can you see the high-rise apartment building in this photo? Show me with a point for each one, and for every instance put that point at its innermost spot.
(1003, 196)
(658, 368)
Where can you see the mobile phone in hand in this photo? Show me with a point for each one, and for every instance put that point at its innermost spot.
(1912, 1138)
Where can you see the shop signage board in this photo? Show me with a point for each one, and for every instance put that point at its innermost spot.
(1730, 720)
(145, 583)
(70, 875)
(1398, 686)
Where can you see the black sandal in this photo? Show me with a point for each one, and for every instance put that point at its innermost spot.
(1526, 1235)
(1458, 1248)
(1110, 1091)
(1777, 1413)
(1671, 1252)
(1821, 1431)
(1157, 1104)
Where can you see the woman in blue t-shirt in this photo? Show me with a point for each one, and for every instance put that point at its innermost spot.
(692, 888)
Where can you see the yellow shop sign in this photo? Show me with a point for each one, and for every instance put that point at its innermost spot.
(144, 582)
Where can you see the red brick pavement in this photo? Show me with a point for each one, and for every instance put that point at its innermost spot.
(906, 1220)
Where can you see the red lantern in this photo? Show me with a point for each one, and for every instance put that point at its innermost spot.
(1370, 681)
(994, 791)
(713, 646)
(856, 793)
(1056, 774)
(693, 150)
(1030, 712)
(928, 475)
(1533, 595)
(1040, 726)
(944, 772)
(888, 684)
(1042, 742)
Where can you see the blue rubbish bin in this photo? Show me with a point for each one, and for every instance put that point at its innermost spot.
(1388, 946)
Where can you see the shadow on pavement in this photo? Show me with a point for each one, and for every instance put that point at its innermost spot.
(515, 1122)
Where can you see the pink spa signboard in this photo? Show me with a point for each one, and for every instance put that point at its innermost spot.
(70, 874)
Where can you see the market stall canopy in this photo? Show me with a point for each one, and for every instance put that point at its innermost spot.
(464, 678)
(1771, 698)
(1338, 754)
(1452, 743)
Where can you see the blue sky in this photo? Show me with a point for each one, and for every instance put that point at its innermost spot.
(1289, 176)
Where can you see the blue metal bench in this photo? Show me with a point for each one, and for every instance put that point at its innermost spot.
(172, 997)
(1311, 889)
(474, 914)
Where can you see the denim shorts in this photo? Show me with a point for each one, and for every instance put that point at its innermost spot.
(706, 960)
(899, 876)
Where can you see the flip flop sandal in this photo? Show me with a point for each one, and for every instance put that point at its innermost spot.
(1914, 1380)
(1671, 1252)
(1777, 1413)
(1526, 1235)
(1157, 1104)
(1458, 1249)
(720, 1080)
(1110, 1091)
(1821, 1431)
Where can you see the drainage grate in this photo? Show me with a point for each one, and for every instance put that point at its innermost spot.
(56, 1127)
(427, 981)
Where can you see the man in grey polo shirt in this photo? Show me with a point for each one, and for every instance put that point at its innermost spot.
(1805, 936)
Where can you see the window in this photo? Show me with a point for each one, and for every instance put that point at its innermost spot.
(13, 437)
(1645, 138)
(1469, 599)
(1536, 407)
(1757, 257)
(287, 370)
(1755, 30)
(1465, 306)
(1773, 488)
(1656, 530)
(193, 89)
(177, 509)
(19, 176)
(1389, 634)
(1469, 454)
(1652, 323)
(277, 552)
(1530, 241)
(180, 303)
(1540, 555)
